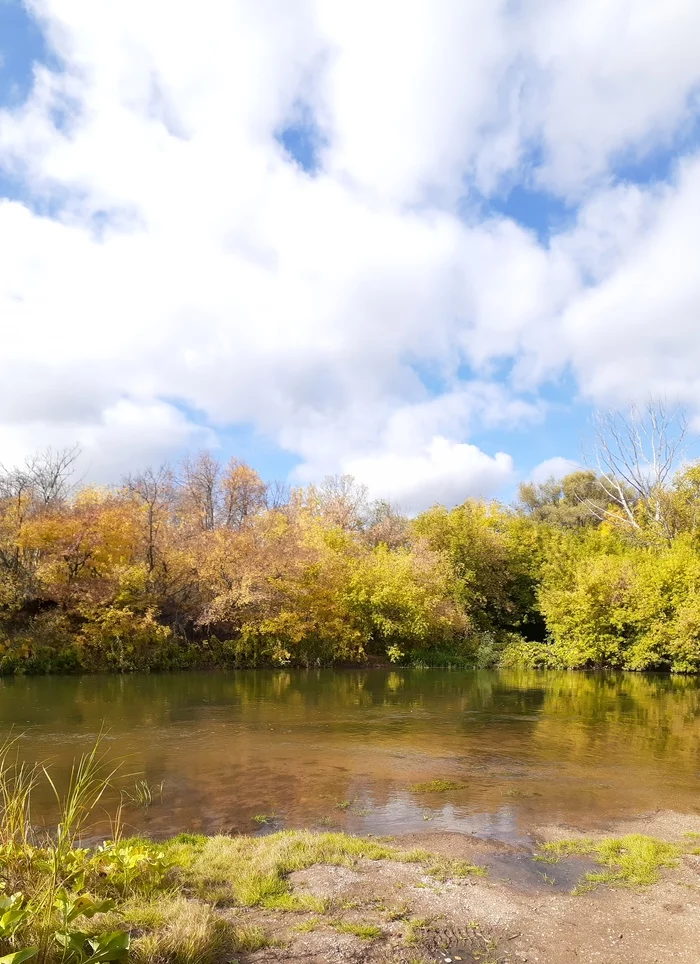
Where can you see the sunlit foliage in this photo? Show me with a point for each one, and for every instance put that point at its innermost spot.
(206, 565)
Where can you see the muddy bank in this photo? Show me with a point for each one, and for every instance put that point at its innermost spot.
(523, 911)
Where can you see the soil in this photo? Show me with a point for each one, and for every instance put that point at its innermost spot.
(521, 913)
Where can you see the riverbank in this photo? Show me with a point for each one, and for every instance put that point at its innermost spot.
(631, 896)
(512, 911)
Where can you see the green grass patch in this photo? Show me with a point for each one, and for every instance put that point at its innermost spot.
(263, 818)
(444, 869)
(253, 871)
(307, 926)
(368, 932)
(629, 861)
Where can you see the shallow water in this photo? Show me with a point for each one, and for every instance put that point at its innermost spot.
(342, 748)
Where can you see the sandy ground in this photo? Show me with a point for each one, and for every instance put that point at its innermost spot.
(522, 912)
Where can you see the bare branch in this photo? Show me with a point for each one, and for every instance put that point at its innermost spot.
(634, 456)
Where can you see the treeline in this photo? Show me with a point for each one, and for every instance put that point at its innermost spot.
(205, 565)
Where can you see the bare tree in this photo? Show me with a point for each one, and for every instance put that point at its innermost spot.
(635, 456)
(153, 488)
(278, 495)
(200, 482)
(46, 475)
(386, 525)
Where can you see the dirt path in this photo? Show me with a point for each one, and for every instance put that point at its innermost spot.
(522, 912)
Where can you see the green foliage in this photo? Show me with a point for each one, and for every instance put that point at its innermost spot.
(156, 575)
(628, 606)
(565, 503)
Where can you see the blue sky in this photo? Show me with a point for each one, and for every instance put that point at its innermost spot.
(330, 270)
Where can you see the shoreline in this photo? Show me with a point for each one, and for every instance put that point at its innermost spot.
(508, 916)
(508, 909)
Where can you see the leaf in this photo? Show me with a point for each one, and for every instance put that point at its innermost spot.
(18, 956)
(113, 946)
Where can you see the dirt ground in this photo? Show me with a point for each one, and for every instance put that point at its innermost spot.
(522, 912)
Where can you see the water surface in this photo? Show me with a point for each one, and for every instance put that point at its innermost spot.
(343, 748)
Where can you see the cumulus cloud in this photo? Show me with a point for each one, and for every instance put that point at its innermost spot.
(443, 472)
(166, 255)
(554, 468)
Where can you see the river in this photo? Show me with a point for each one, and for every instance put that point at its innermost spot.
(345, 748)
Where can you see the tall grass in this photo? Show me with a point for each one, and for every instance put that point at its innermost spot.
(44, 872)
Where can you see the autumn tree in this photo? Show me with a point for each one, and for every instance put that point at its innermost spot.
(154, 491)
(341, 501)
(244, 494)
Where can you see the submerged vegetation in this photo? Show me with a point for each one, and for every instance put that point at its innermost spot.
(437, 786)
(205, 565)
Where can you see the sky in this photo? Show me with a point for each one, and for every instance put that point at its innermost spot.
(417, 242)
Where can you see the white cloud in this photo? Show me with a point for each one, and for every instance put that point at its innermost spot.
(606, 77)
(185, 257)
(636, 332)
(124, 436)
(443, 472)
(554, 468)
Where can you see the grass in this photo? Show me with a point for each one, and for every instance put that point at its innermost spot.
(694, 839)
(144, 794)
(106, 903)
(253, 871)
(443, 869)
(437, 786)
(353, 806)
(414, 928)
(192, 933)
(367, 932)
(629, 861)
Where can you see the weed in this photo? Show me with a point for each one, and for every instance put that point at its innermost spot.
(443, 869)
(398, 913)
(307, 926)
(143, 794)
(437, 786)
(353, 806)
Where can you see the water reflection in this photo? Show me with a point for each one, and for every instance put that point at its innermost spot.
(530, 748)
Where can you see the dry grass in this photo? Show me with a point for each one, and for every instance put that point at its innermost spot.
(189, 932)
